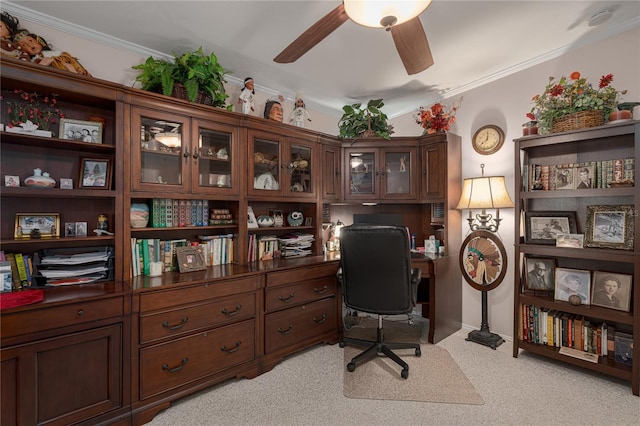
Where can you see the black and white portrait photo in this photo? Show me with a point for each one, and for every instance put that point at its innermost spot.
(610, 226)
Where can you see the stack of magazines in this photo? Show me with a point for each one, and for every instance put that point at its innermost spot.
(296, 245)
(73, 266)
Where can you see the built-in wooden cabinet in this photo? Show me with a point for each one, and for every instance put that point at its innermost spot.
(331, 171)
(433, 171)
(592, 148)
(380, 171)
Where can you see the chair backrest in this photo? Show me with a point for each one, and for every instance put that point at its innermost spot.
(376, 269)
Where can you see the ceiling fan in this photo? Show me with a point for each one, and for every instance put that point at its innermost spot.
(401, 18)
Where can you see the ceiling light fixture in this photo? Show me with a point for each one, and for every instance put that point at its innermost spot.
(600, 17)
(169, 139)
(383, 14)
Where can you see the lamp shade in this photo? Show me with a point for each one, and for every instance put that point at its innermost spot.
(370, 13)
(486, 192)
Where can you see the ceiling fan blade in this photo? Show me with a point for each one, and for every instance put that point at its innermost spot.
(412, 45)
(314, 35)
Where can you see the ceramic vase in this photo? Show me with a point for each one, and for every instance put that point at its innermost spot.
(40, 180)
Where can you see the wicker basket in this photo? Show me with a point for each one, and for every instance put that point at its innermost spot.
(179, 91)
(578, 120)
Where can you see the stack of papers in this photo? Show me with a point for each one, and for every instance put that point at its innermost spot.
(296, 245)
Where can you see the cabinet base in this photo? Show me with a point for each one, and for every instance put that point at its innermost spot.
(485, 337)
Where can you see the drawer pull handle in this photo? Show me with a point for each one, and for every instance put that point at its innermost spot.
(232, 350)
(80, 312)
(165, 324)
(165, 367)
(231, 313)
(321, 290)
(286, 299)
(287, 331)
(321, 320)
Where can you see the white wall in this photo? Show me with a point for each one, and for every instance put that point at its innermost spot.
(503, 102)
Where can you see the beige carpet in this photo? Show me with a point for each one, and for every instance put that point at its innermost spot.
(433, 377)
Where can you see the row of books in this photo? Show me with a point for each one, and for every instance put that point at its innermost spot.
(268, 247)
(265, 247)
(589, 174)
(217, 250)
(173, 213)
(563, 330)
(16, 271)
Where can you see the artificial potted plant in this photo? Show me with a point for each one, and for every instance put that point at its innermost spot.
(192, 75)
(365, 122)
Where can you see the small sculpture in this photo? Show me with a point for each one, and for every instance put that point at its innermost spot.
(247, 96)
(36, 49)
(8, 27)
(299, 114)
(273, 108)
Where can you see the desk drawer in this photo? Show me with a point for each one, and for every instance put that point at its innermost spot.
(197, 316)
(301, 274)
(285, 296)
(60, 316)
(162, 299)
(290, 326)
(169, 365)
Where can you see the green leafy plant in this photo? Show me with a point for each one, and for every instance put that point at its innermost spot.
(573, 94)
(369, 121)
(196, 71)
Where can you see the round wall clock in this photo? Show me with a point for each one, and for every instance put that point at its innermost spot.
(483, 260)
(488, 139)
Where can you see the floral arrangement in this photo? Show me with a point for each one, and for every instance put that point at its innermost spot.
(437, 117)
(22, 107)
(570, 95)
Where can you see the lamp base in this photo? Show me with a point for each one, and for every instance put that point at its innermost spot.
(485, 337)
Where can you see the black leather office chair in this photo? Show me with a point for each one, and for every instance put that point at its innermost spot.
(377, 278)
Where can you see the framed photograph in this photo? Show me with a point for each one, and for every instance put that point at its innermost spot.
(571, 282)
(610, 227)
(11, 181)
(612, 290)
(66, 183)
(564, 177)
(278, 218)
(307, 221)
(81, 229)
(540, 273)
(47, 223)
(570, 240)
(70, 229)
(583, 177)
(544, 227)
(95, 173)
(190, 258)
(79, 130)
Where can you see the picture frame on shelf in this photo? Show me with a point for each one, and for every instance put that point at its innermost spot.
(610, 226)
(278, 218)
(66, 183)
(81, 130)
(81, 229)
(571, 282)
(570, 240)
(564, 178)
(612, 290)
(583, 177)
(308, 221)
(95, 173)
(11, 181)
(540, 273)
(623, 348)
(48, 224)
(543, 227)
(70, 229)
(190, 258)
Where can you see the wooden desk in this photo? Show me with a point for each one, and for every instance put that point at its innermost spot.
(440, 294)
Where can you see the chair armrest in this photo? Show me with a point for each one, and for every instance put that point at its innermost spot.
(416, 275)
(339, 275)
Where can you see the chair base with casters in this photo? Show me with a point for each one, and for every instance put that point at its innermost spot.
(380, 347)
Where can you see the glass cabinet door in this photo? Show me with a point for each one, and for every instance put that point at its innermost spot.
(160, 151)
(299, 167)
(266, 165)
(215, 156)
(398, 173)
(362, 174)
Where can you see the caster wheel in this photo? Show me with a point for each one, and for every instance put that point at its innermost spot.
(418, 352)
(351, 367)
(404, 373)
(342, 344)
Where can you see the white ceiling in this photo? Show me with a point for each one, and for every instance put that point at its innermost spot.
(473, 42)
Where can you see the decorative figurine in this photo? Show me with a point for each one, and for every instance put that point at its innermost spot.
(247, 96)
(8, 27)
(273, 108)
(299, 114)
(36, 49)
